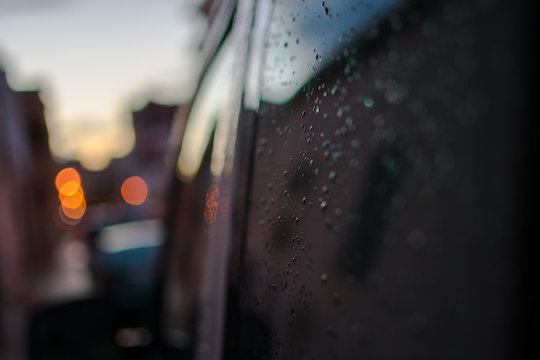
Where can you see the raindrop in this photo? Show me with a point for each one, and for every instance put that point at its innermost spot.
(332, 175)
(324, 277)
(328, 223)
(368, 102)
(378, 120)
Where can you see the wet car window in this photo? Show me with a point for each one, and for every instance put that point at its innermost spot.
(369, 130)
(304, 37)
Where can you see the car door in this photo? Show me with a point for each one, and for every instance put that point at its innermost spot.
(383, 215)
(356, 193)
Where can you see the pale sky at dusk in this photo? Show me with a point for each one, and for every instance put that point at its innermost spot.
(95, 60)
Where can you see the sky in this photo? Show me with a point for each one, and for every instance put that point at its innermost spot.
(95, 61)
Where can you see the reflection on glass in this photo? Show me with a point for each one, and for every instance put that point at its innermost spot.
(217, 104)
(304, 35)
(211, 107)
(211, 206)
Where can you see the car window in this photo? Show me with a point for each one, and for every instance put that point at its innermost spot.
(305, 36)
(371, 142)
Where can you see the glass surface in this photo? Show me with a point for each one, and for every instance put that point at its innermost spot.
(369, 220)
(304, 37)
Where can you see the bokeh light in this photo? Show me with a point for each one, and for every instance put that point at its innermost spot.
(70, 192)
(71, 195)
(134, 190)
(66, 175)
(75, 213)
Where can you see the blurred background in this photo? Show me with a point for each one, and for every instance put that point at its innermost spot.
(88, 92)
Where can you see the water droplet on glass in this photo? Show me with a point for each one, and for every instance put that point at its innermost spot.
(328, 223)
(378, 120)
(368, 102)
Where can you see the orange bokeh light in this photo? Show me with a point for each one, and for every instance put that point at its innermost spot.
(134, 190)
(71, 195)
(74, 213)
(66, 175)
